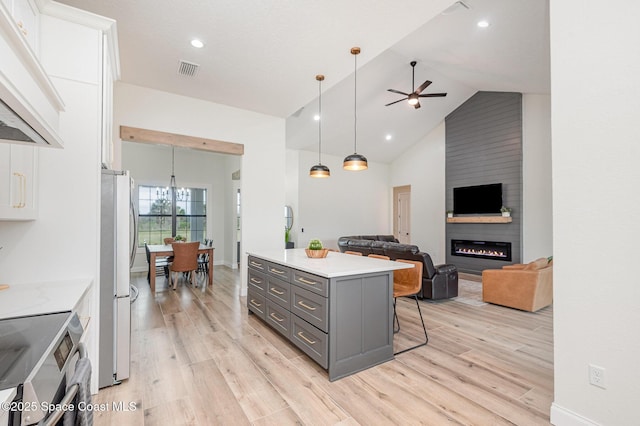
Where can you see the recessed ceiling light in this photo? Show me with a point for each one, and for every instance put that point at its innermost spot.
(388, 137)
(483, 24)
(316, 117)
(197, 43)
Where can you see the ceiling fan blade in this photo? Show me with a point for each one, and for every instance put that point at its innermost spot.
(397, 91)
(422, 87)
(432, 95)
(416, 106)
(395, 102)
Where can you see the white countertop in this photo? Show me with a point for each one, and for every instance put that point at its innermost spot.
(41, 298)
(334, 265)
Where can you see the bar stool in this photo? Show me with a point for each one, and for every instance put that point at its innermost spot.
(408, 282)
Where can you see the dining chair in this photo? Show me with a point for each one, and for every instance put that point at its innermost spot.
(185, 259)
(162, 264)
(355, 253)
(203, 259)
(408, 282)
(379, 256)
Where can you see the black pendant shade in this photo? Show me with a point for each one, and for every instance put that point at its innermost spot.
(355, 161)
(319, 170)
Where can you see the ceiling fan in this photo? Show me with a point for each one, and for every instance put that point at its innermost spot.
(413, 97)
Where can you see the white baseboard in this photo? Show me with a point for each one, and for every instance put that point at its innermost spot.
(561, 416)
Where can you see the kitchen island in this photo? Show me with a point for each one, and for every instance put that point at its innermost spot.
(338, 310)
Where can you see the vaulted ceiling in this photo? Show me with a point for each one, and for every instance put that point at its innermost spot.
(263, 56)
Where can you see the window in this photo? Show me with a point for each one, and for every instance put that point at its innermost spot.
(157, 220)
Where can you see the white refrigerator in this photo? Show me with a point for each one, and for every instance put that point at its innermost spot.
(117, 251)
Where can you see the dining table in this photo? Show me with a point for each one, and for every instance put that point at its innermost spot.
(163, 250)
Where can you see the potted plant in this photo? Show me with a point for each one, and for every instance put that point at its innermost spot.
(179, 238)
(315, 249)
(288, 244)
(506, 211)
(449, 213)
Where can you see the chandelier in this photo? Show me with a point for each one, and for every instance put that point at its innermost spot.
(171, 192)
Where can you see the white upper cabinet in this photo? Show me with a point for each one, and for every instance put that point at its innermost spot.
(25, 87)
(25, 14)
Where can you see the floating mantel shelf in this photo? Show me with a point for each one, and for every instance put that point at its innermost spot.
(479, 219)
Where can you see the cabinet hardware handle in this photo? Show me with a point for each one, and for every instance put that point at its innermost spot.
(253, 280)
(275, 317)
(23, 192)
(259, 265)
(304, 305)
(277, 271)
(302, 280)
(255, 303)
(275, 290)
(311, 342)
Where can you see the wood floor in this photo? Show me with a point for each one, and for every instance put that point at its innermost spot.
(200, 359)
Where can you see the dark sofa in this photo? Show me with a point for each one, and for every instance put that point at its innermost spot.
(438, 282)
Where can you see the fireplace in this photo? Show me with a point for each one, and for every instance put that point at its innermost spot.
(495, 250)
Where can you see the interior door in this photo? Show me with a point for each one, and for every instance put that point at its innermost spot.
(402, 214)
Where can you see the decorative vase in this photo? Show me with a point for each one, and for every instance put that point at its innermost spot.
(449, 214)
(506, 214)
(316, 254)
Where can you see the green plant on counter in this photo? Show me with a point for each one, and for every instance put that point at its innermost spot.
(315, 245)
(287, 234)
(179, 238)
(504, 209)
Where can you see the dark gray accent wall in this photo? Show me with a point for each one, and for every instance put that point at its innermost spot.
(483, 146)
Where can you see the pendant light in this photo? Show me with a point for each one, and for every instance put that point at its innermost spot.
(319, 170)
(355, 161)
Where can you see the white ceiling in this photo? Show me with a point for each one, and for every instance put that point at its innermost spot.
(263, 56)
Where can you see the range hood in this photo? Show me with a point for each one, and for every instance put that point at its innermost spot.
(13, 129)
(30, 106)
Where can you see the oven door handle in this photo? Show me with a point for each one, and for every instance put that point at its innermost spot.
(68, 397)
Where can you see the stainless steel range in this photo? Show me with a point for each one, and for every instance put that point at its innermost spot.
(37, 358)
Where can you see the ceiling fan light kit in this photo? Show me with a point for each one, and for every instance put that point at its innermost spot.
(413, 98)
(319, 170)
(355, 161)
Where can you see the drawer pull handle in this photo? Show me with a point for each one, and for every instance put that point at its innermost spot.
(277, 271)
(275, 317)
(259, 265)
(255, 303)
(304, 305)
(276, 291)
(253, 280)
(311, 342)
(302, 280)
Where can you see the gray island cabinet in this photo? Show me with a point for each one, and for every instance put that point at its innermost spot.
(338, 310)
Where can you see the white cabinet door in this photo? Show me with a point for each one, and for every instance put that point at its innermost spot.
(25, 14)
(18, 182)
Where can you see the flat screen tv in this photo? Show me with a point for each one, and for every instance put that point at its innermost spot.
(477, 199)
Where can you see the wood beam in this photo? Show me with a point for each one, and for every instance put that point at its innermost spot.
(133, 134)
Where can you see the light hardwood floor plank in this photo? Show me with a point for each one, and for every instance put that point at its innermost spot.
(199, 358)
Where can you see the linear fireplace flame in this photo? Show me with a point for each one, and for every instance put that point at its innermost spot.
(496, 250)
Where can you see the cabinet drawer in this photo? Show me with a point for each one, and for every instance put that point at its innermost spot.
(279, 271)
(256, 303)
(311, 282)
(257, 281)
(257, 264)
(279, 318)
(310, 340)
(279, 291)
(310, 306)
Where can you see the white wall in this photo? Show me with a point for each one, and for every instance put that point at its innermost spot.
(263, 162)
(596, 147)
(423, 167)
(347, 203)
(151, 165)
(537, 214)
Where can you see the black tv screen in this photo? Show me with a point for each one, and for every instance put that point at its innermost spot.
(477, 199)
